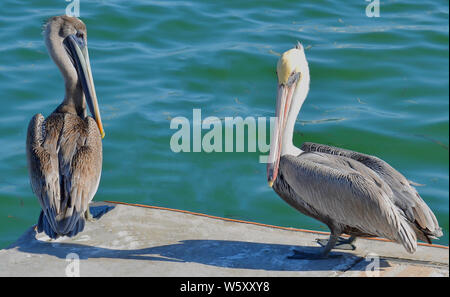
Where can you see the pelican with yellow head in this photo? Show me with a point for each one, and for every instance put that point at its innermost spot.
(352, 193)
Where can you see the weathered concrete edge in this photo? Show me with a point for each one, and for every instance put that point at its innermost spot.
(437, 254)
(30, 253)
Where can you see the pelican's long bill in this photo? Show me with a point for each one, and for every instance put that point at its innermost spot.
(284, 100)
(78, 51)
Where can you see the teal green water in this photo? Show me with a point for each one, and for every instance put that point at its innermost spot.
(378, 85)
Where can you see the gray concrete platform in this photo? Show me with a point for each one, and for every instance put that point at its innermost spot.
(140, 241)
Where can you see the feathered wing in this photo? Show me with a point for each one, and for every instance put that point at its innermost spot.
(405, 195)
(348, 195)
(44, 174)
(64, 157)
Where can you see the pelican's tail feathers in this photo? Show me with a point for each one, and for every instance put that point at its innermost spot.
(44, 226)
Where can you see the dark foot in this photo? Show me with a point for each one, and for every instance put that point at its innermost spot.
(341, 244)
(300, 255)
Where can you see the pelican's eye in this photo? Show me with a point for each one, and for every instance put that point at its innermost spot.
(293, 78)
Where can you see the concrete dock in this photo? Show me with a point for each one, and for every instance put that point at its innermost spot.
(129, 240)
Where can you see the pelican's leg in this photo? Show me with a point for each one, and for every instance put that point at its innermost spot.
(88, 216)
(341, 244)
(322, 255)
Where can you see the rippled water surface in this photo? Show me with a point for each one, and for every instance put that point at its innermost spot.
(378, 85)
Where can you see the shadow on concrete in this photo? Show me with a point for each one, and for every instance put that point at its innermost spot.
(220, 253)
(100, 209)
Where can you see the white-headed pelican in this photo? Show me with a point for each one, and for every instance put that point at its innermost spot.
(350, 192)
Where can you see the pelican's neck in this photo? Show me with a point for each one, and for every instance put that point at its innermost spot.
(287, 147)
(74, 101)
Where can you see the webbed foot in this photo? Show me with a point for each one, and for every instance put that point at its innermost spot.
(88, 216)
(341, 244)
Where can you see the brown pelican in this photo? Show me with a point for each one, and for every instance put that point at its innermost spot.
(350, 192)
(64, 151)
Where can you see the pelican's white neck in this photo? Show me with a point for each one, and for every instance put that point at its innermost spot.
(287, 147)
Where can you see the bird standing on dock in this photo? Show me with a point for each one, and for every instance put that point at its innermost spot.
(64, 151)
(350, 192)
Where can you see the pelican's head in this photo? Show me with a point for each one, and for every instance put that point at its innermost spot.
(66, 41)
(291, 63)
(293, 85)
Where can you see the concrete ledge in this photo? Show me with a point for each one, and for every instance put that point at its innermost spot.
(139, 241)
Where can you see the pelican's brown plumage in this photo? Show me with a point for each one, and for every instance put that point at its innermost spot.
(64, 151)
